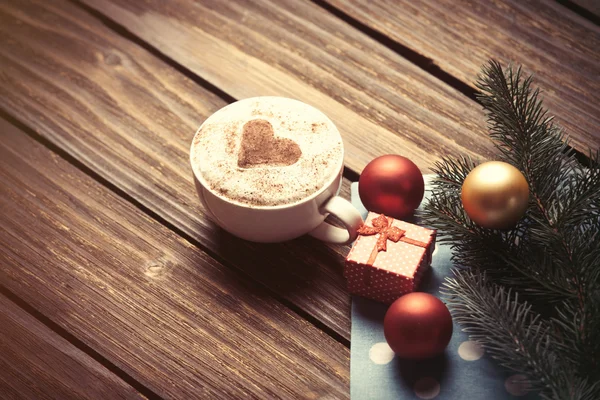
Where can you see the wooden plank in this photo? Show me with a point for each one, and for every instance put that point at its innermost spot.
(131, 119)
(36, 363)
(150, 302)
(381, 102)
(557, 45)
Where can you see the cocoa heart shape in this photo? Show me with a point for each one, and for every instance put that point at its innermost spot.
(260, 147)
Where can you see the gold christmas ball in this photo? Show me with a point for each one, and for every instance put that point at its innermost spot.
(495, 195)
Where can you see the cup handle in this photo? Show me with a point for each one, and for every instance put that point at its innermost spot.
(347, 214)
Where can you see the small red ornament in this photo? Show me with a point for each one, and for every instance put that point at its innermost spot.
(391, 185)
(417, 326)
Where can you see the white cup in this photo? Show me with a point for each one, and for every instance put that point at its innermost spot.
(282, 222)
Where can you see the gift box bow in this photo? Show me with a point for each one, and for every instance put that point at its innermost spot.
(382, 225)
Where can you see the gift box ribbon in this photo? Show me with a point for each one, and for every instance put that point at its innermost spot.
(382, 225)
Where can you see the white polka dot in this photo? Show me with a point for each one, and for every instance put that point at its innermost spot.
(470, 350)
(427, 388)
(517, 385)
(381, 353)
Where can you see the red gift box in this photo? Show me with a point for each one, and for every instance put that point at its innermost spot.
(388, 258)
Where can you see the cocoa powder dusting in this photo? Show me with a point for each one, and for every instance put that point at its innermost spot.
(230, 136)
(260, 147)
(263, 111)
(316, 127)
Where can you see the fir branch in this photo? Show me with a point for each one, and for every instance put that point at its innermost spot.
(527, 137)
(450, 173)
(517, 337)
(508, 330)
(551, 258)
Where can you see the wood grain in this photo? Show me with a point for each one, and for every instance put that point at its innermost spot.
(36, 363)
(557, 45)
(381, 102)
(149, 301)
(130, 118)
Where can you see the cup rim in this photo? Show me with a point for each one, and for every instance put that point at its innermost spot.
(198, 176)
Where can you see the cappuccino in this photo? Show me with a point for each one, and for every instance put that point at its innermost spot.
(267, 151)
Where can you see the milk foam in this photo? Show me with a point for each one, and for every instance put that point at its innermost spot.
(216, 147)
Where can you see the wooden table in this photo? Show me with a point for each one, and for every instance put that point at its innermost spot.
(113, 283)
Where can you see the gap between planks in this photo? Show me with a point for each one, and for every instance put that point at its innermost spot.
(410, 55)
(124, 376)
(285, 283)
(128, 35)
(538, 55)
(172, 227)
(63, 332)
(421, 61)
(425, 63)
(584, 8)
(418, 59)
(122, 31)
(428, 65)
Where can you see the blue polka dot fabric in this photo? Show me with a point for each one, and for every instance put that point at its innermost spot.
(463, 372)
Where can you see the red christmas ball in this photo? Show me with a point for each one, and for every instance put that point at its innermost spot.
(417, 326)
(391, 185)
